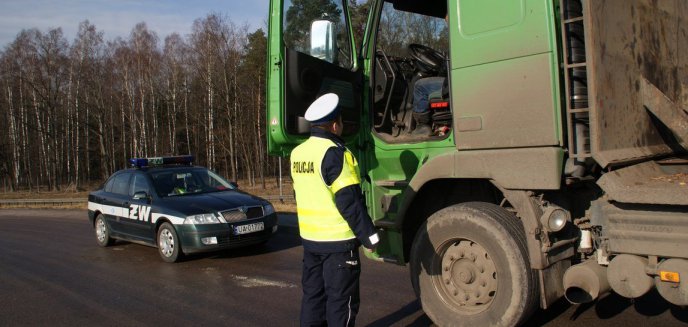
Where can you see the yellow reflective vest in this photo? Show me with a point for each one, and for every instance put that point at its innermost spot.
(319, 219)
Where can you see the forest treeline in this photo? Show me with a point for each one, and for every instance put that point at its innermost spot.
(71, 113)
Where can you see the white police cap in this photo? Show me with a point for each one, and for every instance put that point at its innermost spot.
(323, 109)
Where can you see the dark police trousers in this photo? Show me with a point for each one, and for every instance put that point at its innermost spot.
(330, 288)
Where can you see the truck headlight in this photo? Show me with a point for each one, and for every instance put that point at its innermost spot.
(206, 218)
(554, 218)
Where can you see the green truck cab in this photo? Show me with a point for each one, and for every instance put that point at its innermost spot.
(556, 165)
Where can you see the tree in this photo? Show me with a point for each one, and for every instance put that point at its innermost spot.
(84, 60)
(358, 14)
(174, 72)
(253, 71)
(73, 114)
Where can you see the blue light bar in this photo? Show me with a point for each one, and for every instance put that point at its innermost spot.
(158, 161)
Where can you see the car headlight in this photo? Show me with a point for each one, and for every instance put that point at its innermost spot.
(206, 218)
(268, 209)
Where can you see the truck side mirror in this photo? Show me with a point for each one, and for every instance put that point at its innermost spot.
(323, 45)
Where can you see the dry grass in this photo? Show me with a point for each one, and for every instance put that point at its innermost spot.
(271, 189)
(284, 207)
(44, 206)
(680, 178)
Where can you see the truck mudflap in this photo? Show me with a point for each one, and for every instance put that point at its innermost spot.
(648, 183)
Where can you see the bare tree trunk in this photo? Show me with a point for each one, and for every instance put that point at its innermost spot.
(87, 153)
(77, 172)
(135, 149)
(24, 132)
(101, 147)
(153, 108)
(141, 118)
(258, 152)
(232, 131)
(230, 127)
(41, 135)
(69, 131)
(14, 185)
(186, 117)
(124, 133)
(210, 141)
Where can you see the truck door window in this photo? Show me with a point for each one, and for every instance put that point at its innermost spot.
(398, 29)
(404, 40)
(303, 16)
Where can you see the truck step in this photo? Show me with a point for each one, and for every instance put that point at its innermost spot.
(391, 183)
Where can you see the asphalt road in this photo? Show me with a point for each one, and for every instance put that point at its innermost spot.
(52, 272)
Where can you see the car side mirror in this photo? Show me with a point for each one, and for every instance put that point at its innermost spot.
(234, 185)
(141, 195)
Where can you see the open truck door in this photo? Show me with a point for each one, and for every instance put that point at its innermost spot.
(310, 53)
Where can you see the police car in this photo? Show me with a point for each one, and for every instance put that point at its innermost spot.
(168, 203)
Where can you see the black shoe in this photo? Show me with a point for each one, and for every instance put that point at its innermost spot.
(422, 130)
(422, 123)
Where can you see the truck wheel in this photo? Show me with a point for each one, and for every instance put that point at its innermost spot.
(470, 267)
(169, 246)
(102, 232)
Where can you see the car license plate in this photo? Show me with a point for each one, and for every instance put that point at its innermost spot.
(249, 228)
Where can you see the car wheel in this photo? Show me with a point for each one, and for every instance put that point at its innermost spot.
(102, 232)
(470, 267)
(169, 246)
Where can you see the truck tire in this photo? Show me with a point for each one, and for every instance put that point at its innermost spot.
(470, 267)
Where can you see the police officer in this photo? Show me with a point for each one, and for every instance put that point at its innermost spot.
(333, 219)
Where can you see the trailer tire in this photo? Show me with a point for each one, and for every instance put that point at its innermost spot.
(470, 267)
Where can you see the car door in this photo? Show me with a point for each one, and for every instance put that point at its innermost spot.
(140, 194)
(310, 52)
(107, 205)
(116, 202)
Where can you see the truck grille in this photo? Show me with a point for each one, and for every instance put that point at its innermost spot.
(243, 213)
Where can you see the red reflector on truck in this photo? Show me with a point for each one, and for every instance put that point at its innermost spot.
(436, 105)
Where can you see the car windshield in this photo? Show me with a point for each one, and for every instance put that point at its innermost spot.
(185, 181)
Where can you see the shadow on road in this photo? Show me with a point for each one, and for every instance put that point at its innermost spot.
(285, 238)
(608, 307)
(393, 318)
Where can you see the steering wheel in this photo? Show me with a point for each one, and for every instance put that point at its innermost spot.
(429, 58)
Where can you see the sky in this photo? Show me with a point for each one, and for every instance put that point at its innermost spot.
(118, 17)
